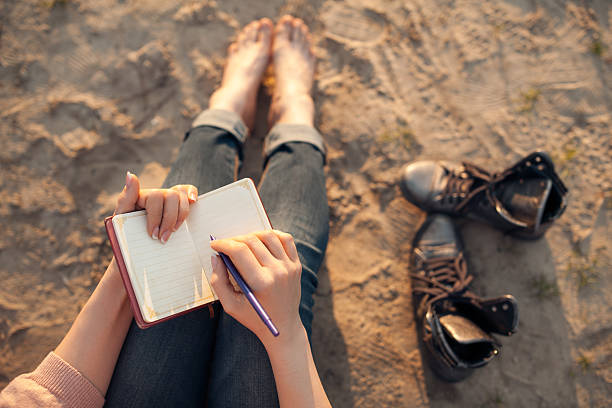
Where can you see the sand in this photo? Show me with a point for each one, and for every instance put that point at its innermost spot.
(89, 90)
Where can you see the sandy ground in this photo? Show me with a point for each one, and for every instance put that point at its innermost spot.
(91, 89)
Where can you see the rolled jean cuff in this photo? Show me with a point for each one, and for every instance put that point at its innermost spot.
(289, 132)
(223, 119)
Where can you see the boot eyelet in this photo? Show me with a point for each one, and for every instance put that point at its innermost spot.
(505, 307)
(538, 159)
(528, 163)
(494, 308)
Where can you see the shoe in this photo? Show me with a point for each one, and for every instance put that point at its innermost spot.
(524, 199)
(455, 325)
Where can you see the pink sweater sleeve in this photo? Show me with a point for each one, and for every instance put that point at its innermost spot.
(54, 383)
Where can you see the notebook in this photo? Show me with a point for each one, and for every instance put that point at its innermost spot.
(167, 280)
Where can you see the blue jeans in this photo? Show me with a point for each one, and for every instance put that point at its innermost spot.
(203, 360)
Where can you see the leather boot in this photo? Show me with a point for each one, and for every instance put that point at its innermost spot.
(523, 200)
(455, 325)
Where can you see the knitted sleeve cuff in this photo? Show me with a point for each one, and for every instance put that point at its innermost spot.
(66, 383)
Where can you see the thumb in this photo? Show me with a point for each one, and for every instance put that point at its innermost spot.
(128, 198)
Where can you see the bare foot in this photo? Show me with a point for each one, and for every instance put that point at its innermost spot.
(294, 64)
(247, 60)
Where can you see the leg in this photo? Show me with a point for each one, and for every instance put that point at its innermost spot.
(211, 153)
(293, 185)
(293, 193)
(169, 364)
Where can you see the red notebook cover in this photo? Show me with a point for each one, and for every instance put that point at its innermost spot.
(125, 277)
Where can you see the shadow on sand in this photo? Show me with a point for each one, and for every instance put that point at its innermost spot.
(536, 360)
(329, 348)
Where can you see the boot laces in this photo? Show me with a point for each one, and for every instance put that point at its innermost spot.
(446, 277)
(462, 186)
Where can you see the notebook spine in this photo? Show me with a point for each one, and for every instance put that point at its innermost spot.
(110, 231)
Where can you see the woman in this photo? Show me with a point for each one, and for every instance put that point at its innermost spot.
(229, 359)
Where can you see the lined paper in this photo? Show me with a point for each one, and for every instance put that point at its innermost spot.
(173, 277)
(227, 212)
(167, 278)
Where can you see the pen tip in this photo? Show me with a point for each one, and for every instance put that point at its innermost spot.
(212, 238)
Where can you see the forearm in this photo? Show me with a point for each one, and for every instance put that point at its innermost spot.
(297, 380)
(94, 341)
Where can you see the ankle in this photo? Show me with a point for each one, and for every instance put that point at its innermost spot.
(296, 118)
(222, 99)
(299, 111)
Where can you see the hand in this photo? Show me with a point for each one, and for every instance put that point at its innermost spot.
(268, 262)
(166, 208)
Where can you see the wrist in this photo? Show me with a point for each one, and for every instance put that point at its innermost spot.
(289, 354)
(113, 275)
(290, 338)
(113, 286)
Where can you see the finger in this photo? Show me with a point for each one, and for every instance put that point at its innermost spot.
(155, 206)
(288, 244)
(242, 257)
(271, 241)
(170, 215)
(220, 283)
(263, 255)
(183, 210)
(128, 197)
(142, 198)
(193, 194)
(189, 190)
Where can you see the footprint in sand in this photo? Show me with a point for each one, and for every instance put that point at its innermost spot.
(357, 25)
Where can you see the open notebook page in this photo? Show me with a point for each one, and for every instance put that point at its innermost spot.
(166, 278)
(226, 212)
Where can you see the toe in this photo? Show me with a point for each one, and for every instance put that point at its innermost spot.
(302, 27)
(284, 28)
(309, 44)
(285, 20)
(232, 48)
(251, 31)
(241, 36)
(265, 31)
(298, 31)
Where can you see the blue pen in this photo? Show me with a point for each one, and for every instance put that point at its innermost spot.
(248, 292)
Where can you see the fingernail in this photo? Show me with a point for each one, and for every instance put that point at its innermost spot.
(128, 177)
(165, 236)
(155, 233)
(214, 261)
(192, 196)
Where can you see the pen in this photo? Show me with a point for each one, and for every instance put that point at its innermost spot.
(248, 292)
